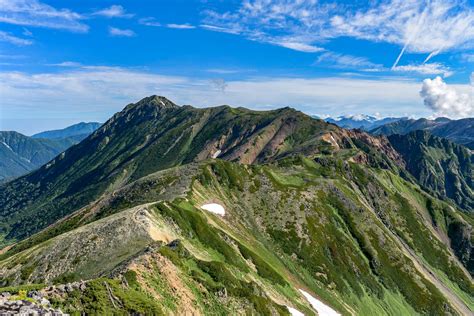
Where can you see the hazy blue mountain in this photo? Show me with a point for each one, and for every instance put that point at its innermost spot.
(20, 154)
(364, 122)
(79, 131)
(459, 131)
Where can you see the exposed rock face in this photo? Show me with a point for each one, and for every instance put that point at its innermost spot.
(376, 145)
(34, 304)
(443, 167)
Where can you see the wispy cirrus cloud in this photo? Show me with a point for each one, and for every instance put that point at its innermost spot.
(37, 14)
(66, 64)
(415, 26)
(113, 31)
(110, 88)
(218, 29)
(348, 61)
(114, 11)
(185, 26)
(284, 23)
(295, 45)
(344, 61)
(468, 57)
(149, 21)
(426, 69)
(7, 37)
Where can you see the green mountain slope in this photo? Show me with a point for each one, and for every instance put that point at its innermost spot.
(305, 206)
(151, 135)
(296, 224)
(442, 167)
(458, 131)
(20, 154)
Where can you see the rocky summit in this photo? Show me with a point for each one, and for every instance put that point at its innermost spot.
(181, 210)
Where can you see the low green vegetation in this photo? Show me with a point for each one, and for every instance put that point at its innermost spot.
(366, 229)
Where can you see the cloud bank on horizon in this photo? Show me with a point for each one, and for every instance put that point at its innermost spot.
(393, 57)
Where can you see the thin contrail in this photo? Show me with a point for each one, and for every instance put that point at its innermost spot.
(436, 52)
(432, 54)
(413, 36)
(400, 55)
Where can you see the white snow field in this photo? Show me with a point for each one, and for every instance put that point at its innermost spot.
(214, 208)
(320, 307)
(294, 312)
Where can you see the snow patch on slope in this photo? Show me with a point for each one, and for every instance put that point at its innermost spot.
(214, 208)
(294, 312)
(320, 307)
(6, 145)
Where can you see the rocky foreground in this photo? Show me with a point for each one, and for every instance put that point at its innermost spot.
(36, 302)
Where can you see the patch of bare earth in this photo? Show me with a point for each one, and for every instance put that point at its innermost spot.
(171, 275)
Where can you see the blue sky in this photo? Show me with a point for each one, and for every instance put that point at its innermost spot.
(67, 61)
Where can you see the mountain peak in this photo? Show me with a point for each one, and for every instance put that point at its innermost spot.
(156, 101)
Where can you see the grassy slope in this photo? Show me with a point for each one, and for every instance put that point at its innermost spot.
(298, 224)
(146, 137)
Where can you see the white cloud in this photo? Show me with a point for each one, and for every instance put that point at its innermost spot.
(425, 69)
(6, 37)
(107, 89)
(418, 26)
(121, 32)
(66, 64)
(218, 29)
(37, 14)
(223, 71)
(348, 61)
(180, 26)
(445, 100)
(468, 57)
(284, 23)
(149, 21)
(114, 11)
(302, 47)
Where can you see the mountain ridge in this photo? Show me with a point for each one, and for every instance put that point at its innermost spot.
(459, 131)
(20, 154)
(79, 131)
(308, 206)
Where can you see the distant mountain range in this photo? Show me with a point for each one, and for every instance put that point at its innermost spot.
(363, 122)
(459, 131)
(20, 154)
(177, 210)
(78, 131)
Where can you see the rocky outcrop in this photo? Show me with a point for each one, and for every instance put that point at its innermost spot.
(33, 303)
